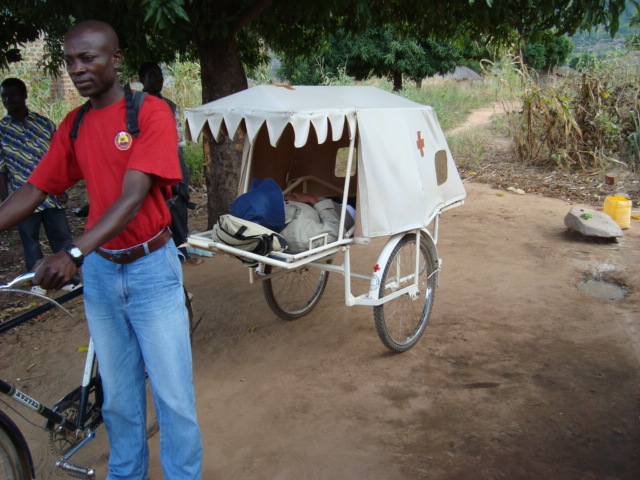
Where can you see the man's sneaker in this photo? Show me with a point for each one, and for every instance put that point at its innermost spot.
(39, 290)
(70, 287)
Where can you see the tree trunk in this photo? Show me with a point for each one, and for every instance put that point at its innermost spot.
(222, 75)
(397, 81)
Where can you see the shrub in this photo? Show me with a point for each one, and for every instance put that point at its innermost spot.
(578, 121)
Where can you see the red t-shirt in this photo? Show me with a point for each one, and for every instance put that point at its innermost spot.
(100, 157)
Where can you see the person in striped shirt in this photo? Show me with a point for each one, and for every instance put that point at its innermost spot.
(24, 139)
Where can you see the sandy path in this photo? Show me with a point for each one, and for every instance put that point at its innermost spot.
(519, 375)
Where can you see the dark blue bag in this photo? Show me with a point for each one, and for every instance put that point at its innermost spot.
(262, 204)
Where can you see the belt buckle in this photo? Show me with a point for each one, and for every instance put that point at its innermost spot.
(125, 254)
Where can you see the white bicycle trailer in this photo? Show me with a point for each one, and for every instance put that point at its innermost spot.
(386, 154)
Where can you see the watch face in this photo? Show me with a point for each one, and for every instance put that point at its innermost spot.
(76, 254)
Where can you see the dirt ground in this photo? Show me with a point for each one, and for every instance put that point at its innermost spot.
(519, 374)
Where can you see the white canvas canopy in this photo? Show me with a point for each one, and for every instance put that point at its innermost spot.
(405, 172)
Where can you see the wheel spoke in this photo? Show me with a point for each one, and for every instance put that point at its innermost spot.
(294, 293)
(401, 321)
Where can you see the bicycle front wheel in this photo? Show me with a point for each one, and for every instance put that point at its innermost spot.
(294, 293)
(400, 322)
(12, 464)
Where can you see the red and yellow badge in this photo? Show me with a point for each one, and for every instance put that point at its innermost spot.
(123, 141)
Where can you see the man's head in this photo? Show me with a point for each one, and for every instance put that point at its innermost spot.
(150, 75)
(92, 56)
(14, 97)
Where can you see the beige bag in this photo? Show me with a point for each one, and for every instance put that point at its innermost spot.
(245, 235)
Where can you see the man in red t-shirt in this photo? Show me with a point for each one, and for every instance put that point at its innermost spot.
(134, 298)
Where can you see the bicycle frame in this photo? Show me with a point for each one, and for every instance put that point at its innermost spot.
(88, 417)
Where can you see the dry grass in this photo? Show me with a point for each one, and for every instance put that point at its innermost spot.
(576, 121)
(490, 159)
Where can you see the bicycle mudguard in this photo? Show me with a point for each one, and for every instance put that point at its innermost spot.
(383, 258)
(16, 436)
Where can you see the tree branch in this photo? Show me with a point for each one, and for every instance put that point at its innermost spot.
(249, 14)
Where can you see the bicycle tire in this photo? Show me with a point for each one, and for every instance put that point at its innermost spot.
(153, 426)
(189, 307)
(400, 322)
(294, 293)
(12, 461)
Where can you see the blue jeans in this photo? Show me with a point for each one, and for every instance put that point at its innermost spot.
(137, 317)
(56, 227)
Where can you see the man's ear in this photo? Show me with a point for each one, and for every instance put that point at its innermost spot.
(117, 58)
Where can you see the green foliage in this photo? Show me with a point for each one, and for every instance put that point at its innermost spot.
(301, 70)
(474, 52)
(160, 30)
(632, 42)
(377, 51)
(600, 42)
(194, 158)
(558, 51)
(185, 89)
(553, 52)
(584, 62)
(534, 55)
(634, 139)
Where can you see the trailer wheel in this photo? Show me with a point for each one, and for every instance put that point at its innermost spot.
(294, 293)
(400, 322)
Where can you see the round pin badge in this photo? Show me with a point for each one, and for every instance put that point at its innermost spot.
(123, 141)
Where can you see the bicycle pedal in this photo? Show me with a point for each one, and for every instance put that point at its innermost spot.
(76, 470)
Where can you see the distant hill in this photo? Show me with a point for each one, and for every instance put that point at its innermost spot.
(599, 42)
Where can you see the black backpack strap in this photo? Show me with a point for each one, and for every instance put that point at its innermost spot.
(78, 120)
(133, 100)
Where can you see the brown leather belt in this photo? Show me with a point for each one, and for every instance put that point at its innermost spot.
(132, 254)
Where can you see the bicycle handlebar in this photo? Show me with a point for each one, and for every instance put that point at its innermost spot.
(20, 280)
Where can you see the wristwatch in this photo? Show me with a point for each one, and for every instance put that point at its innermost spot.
(75, 253)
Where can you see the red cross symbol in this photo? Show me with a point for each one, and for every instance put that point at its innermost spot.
(420, 143)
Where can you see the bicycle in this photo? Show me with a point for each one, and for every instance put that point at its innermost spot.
(71, 422)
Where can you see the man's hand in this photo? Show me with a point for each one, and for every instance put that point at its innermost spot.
(54, 272)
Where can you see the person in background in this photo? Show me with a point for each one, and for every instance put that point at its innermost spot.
(24, 139)
(133, 290)
(150, 75)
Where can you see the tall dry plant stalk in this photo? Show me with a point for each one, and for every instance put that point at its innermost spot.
(572, 120)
